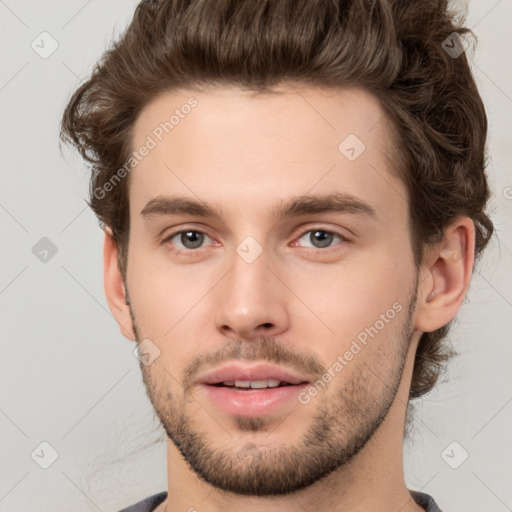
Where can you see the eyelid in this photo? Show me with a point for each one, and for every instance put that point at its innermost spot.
(176, 230)
(344, 238)
(326, 230)
(179, 251)
(303, 232)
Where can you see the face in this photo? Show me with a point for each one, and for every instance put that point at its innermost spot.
(270, 269)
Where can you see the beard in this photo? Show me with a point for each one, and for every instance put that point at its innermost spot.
(343, 423)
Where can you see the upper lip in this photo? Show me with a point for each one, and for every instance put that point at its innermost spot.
(237, 371)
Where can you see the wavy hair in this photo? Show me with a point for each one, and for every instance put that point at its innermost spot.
(404, 52)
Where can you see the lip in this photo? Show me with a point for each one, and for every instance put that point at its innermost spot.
(251, 402)
(259, 371)
(254, 402)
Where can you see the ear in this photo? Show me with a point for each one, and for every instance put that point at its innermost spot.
(114, 287)
(445, 276)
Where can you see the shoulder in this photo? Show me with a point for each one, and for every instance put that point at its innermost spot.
(426, 501)
(147, 505)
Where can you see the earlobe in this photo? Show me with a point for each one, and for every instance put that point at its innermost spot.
(115, 292)
(446, 274)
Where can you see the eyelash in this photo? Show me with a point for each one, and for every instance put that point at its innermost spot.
(167, 239)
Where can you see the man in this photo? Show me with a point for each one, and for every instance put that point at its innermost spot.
(293, 197)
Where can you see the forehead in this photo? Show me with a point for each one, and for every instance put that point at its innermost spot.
(227, 145)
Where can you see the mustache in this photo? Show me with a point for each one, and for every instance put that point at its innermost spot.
(264, 348)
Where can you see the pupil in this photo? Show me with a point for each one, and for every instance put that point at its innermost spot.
(192, 239)
(321, 238)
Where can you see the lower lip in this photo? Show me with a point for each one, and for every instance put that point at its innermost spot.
(255, 402)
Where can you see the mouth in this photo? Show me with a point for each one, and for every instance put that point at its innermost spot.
(249, 385)
(253, 376)
(242, 390)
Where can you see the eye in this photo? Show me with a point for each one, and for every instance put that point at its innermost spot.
(320, 238)
(188, 239)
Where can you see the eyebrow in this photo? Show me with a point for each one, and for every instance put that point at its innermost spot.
(294, 207)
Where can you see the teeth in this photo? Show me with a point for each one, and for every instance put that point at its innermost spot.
(258, 384)
(242, 383)
(253, 384)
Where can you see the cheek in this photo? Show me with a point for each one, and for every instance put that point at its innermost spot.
(170, 307)
(363, 293)
(163, 294)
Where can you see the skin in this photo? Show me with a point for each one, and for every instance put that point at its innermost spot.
(244, 155)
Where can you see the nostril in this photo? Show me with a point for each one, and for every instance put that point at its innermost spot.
(267, 325)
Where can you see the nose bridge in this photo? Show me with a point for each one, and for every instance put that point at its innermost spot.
(249, 277)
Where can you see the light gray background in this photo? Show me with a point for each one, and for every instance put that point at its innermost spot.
(68, 378)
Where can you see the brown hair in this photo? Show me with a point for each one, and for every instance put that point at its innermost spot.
(397, 50)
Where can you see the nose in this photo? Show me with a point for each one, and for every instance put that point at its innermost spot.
(251, 301)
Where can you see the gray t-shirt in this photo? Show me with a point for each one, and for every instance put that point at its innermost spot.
(150, 504)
